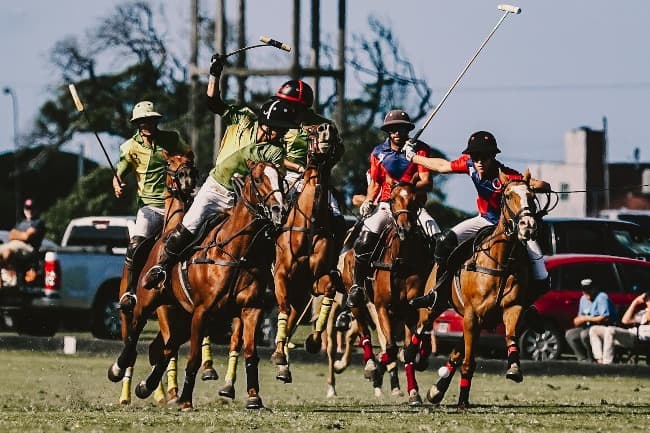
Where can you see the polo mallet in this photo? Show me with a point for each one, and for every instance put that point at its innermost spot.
(80, 108)
(507, 9)
(266, 42)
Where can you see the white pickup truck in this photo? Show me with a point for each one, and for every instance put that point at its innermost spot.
(74, 286)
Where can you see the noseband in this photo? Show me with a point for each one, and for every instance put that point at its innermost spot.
(259, 207)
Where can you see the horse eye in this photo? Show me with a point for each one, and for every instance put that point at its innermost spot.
(257, 180)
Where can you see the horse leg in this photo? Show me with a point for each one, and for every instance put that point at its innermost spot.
(155, 352)
(228, 388)
(207, 364)
(324, 285)
(348, 339)
(194, 359)
(331, 351)
(445, 373)
(510, 319)
(131, 334)
(393, 372)
(470, 335)
(281, 359)
(172, 380)
(250, 317)
(365, 341)
(284, 310)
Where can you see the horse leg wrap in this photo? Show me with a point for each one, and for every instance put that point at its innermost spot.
(281, 336)
(411, 350)
(188, 386)
(325, 308)
(465, 385)
(206, 352)
(411, 383)
(159, 394)
(378, 376)
(252, 379)
(125, 396)
(513, 354)
(389, 356)
(366, 345)
(172, 379)
(394, 378)
(231, 371)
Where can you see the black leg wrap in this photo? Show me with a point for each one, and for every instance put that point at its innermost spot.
(252, 378)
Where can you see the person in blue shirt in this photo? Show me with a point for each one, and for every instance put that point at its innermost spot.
(595, 308)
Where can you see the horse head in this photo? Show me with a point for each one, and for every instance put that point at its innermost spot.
(181, 175)
(265, 193)
(323, 142)
(518, 207)
(404, 208)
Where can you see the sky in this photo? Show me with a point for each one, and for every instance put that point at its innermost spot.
(557, 66)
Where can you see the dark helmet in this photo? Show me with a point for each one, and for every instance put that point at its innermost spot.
(296, 91)
(397, 118)
(278, 114)
(482, 142)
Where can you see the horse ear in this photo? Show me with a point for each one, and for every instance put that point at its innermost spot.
(250, 164)
(165, 154)
(190, 155)
(502, 177)
(527, 175)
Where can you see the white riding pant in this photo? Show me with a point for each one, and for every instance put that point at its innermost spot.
(148, 221)
(604, 338)
(294, 183)
(468, 228)
(382, 217)
(212, 198)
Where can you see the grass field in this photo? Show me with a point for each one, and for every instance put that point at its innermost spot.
(49, 392)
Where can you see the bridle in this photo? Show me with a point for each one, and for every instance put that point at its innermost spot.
(512, 218)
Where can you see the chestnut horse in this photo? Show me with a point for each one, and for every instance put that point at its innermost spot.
(402, 266)
(180, 182)
(490, 287)
(306, 255)
(225, 276)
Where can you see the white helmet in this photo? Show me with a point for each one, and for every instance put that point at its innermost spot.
(144, 109)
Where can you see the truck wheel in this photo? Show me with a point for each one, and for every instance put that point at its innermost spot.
(541, 345)
(106, 321)
(37, 324)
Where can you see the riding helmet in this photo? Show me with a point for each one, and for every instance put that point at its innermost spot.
(482, 142)
(397, 118)
(296, 91)
(278, 114)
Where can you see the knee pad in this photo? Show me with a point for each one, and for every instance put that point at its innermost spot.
(364, 245)
(134, 243)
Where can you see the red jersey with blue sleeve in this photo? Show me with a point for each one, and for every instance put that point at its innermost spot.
(489, 188)
(388, 166)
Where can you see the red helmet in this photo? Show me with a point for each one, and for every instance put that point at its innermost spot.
(296, 91)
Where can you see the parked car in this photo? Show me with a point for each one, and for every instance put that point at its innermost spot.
(622, 278)
(640, 217)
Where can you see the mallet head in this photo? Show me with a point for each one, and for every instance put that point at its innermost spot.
(509, 8)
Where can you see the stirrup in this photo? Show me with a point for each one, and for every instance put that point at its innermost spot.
(426, 301)
(127, 302)
(156, 275)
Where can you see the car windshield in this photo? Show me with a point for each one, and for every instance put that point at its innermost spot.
(636, 241)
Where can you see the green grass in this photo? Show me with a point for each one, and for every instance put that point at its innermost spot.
(49, 392)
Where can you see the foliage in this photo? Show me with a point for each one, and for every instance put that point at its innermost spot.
(93, 195)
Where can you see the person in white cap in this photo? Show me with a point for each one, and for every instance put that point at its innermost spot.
(143, 155)
(594, 308)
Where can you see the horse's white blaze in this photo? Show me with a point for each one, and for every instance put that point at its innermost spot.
(403, 193)
(527, 223)
(272, 174)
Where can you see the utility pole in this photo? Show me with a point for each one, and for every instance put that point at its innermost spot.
(194, 82)
(17, 184)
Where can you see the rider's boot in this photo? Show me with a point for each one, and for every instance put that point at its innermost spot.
(174, 245)
(363, 248)
(445, 244)
(128, 299)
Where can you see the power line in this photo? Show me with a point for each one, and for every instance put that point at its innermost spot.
(554, 87)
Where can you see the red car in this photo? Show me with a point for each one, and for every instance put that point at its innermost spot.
(622, 278)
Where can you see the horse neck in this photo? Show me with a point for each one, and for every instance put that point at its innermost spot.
(499, 243)
(314, 179)
(240, 225)
(174, 212)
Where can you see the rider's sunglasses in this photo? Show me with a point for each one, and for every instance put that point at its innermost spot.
(402, 130)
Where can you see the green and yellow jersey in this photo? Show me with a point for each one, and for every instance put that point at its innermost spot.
(148, 164)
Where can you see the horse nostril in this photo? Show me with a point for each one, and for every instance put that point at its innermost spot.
(276, 208)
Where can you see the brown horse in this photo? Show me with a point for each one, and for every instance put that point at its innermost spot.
(490, 287)
(180, 182)
(224, 276)
(402, 266)
(306, 253)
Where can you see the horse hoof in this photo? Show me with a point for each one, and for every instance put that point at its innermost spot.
(434, 396)
(209, 373)
(172, 401)
(284, 374)
(142, 391)
(331, 391)
(185, 406)
(514, 374)
(227, 391)
(159, 396)
(414, 398)
(369, 369)
(279, 358)
(254, 403)
(378, 393)
(463, 405)
(313, 343)
(115, 373)
(339, 366)
(396, 392)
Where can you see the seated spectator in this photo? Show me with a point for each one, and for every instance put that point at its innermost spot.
(595, 308)
(636, 317)
(25, 237)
